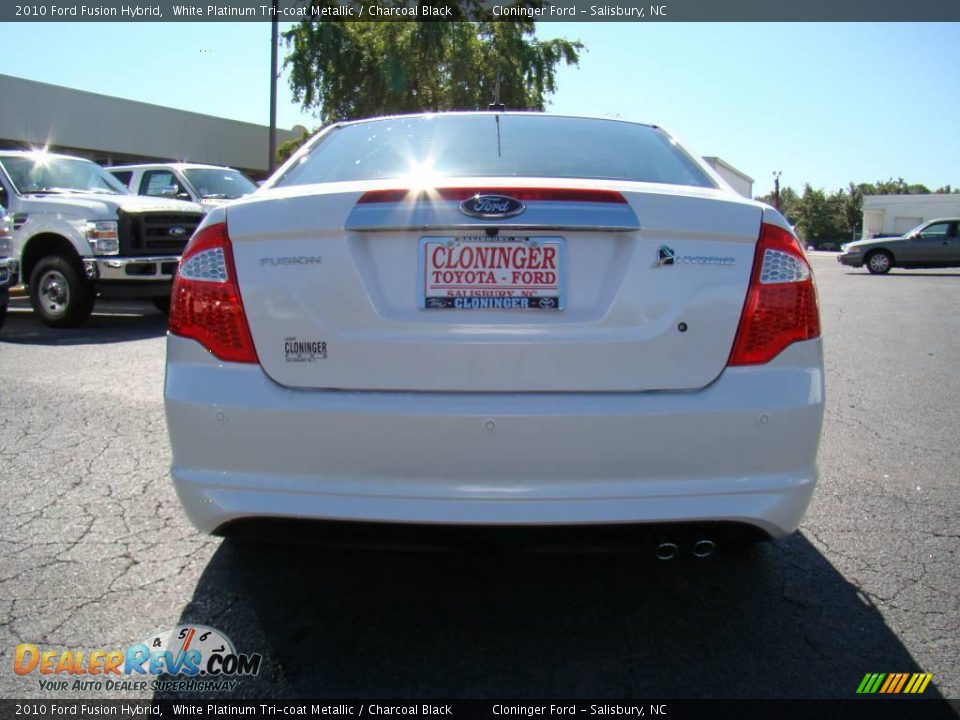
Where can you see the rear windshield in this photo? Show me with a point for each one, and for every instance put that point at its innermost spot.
(427, 148)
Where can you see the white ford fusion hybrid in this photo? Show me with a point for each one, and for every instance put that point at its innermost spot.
(495, 318)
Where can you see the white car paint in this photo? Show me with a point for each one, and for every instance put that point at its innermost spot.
(743, 449)
(361, 304)
(621, 408)
(66, 215)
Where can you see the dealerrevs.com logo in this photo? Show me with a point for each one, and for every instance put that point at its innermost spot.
(183, 658)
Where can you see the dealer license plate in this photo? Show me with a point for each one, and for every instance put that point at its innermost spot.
(479, 272)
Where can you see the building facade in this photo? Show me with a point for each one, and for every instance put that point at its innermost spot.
(896, 214)
(113, 131)
(736, 179)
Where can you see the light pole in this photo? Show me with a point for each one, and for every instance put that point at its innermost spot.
(776, 189)
(274, 33)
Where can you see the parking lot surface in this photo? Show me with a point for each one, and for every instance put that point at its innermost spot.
(95, 552)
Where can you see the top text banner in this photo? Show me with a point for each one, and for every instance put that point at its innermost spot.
(482, 10)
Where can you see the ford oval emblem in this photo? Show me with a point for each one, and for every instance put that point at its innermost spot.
(492, 206)
(177, 231)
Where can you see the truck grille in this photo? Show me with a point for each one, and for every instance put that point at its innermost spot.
(156, 233)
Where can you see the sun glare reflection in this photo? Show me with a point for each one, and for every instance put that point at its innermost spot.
(40, 155)
(421, 178)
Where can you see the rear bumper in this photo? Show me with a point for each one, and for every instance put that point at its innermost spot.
(742, 450)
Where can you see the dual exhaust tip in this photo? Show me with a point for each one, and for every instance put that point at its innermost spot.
(702, 549)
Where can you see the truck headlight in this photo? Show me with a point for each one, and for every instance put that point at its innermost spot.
(853, 250)
(104, 237)
(6, 246)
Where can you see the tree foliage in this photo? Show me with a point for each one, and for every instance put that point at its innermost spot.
(349, 70)
(289, 147)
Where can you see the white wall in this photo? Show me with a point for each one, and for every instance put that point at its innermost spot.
(744, 187)
(743, 184)
(885, 214)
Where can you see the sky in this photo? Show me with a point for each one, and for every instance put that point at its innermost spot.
(822, 103)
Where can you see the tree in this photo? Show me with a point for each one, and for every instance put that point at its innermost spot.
(789, 201)
(289, 147)
(893, 187)
(824, 219)
(348, 70)
(852, 208)
(818, 216)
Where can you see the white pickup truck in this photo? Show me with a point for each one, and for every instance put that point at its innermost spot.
(79, 234)
(206, 185)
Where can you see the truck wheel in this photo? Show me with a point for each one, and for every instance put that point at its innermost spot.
(3, 314)
(59, 293)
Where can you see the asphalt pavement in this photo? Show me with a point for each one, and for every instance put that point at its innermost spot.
(95, 552)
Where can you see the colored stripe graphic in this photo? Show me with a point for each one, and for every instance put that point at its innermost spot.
(894, 683)
(891, 680)
(870, 683)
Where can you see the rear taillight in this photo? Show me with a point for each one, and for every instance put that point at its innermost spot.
(781, 305)
(205, 304)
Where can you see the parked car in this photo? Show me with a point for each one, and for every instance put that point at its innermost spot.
(8, 266)
(495, 319)
(79, 234)
(207, 185)
(933, 244)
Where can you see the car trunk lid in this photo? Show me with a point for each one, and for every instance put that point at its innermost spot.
(337, 281)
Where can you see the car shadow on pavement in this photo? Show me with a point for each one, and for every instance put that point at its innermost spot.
(775, 621)
(111, 322)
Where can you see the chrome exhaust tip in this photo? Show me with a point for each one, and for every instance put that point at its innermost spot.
(704, 548)
(667, 551)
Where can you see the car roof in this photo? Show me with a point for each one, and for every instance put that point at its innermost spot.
(488, 113)
(177, 165)
(31, 153)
